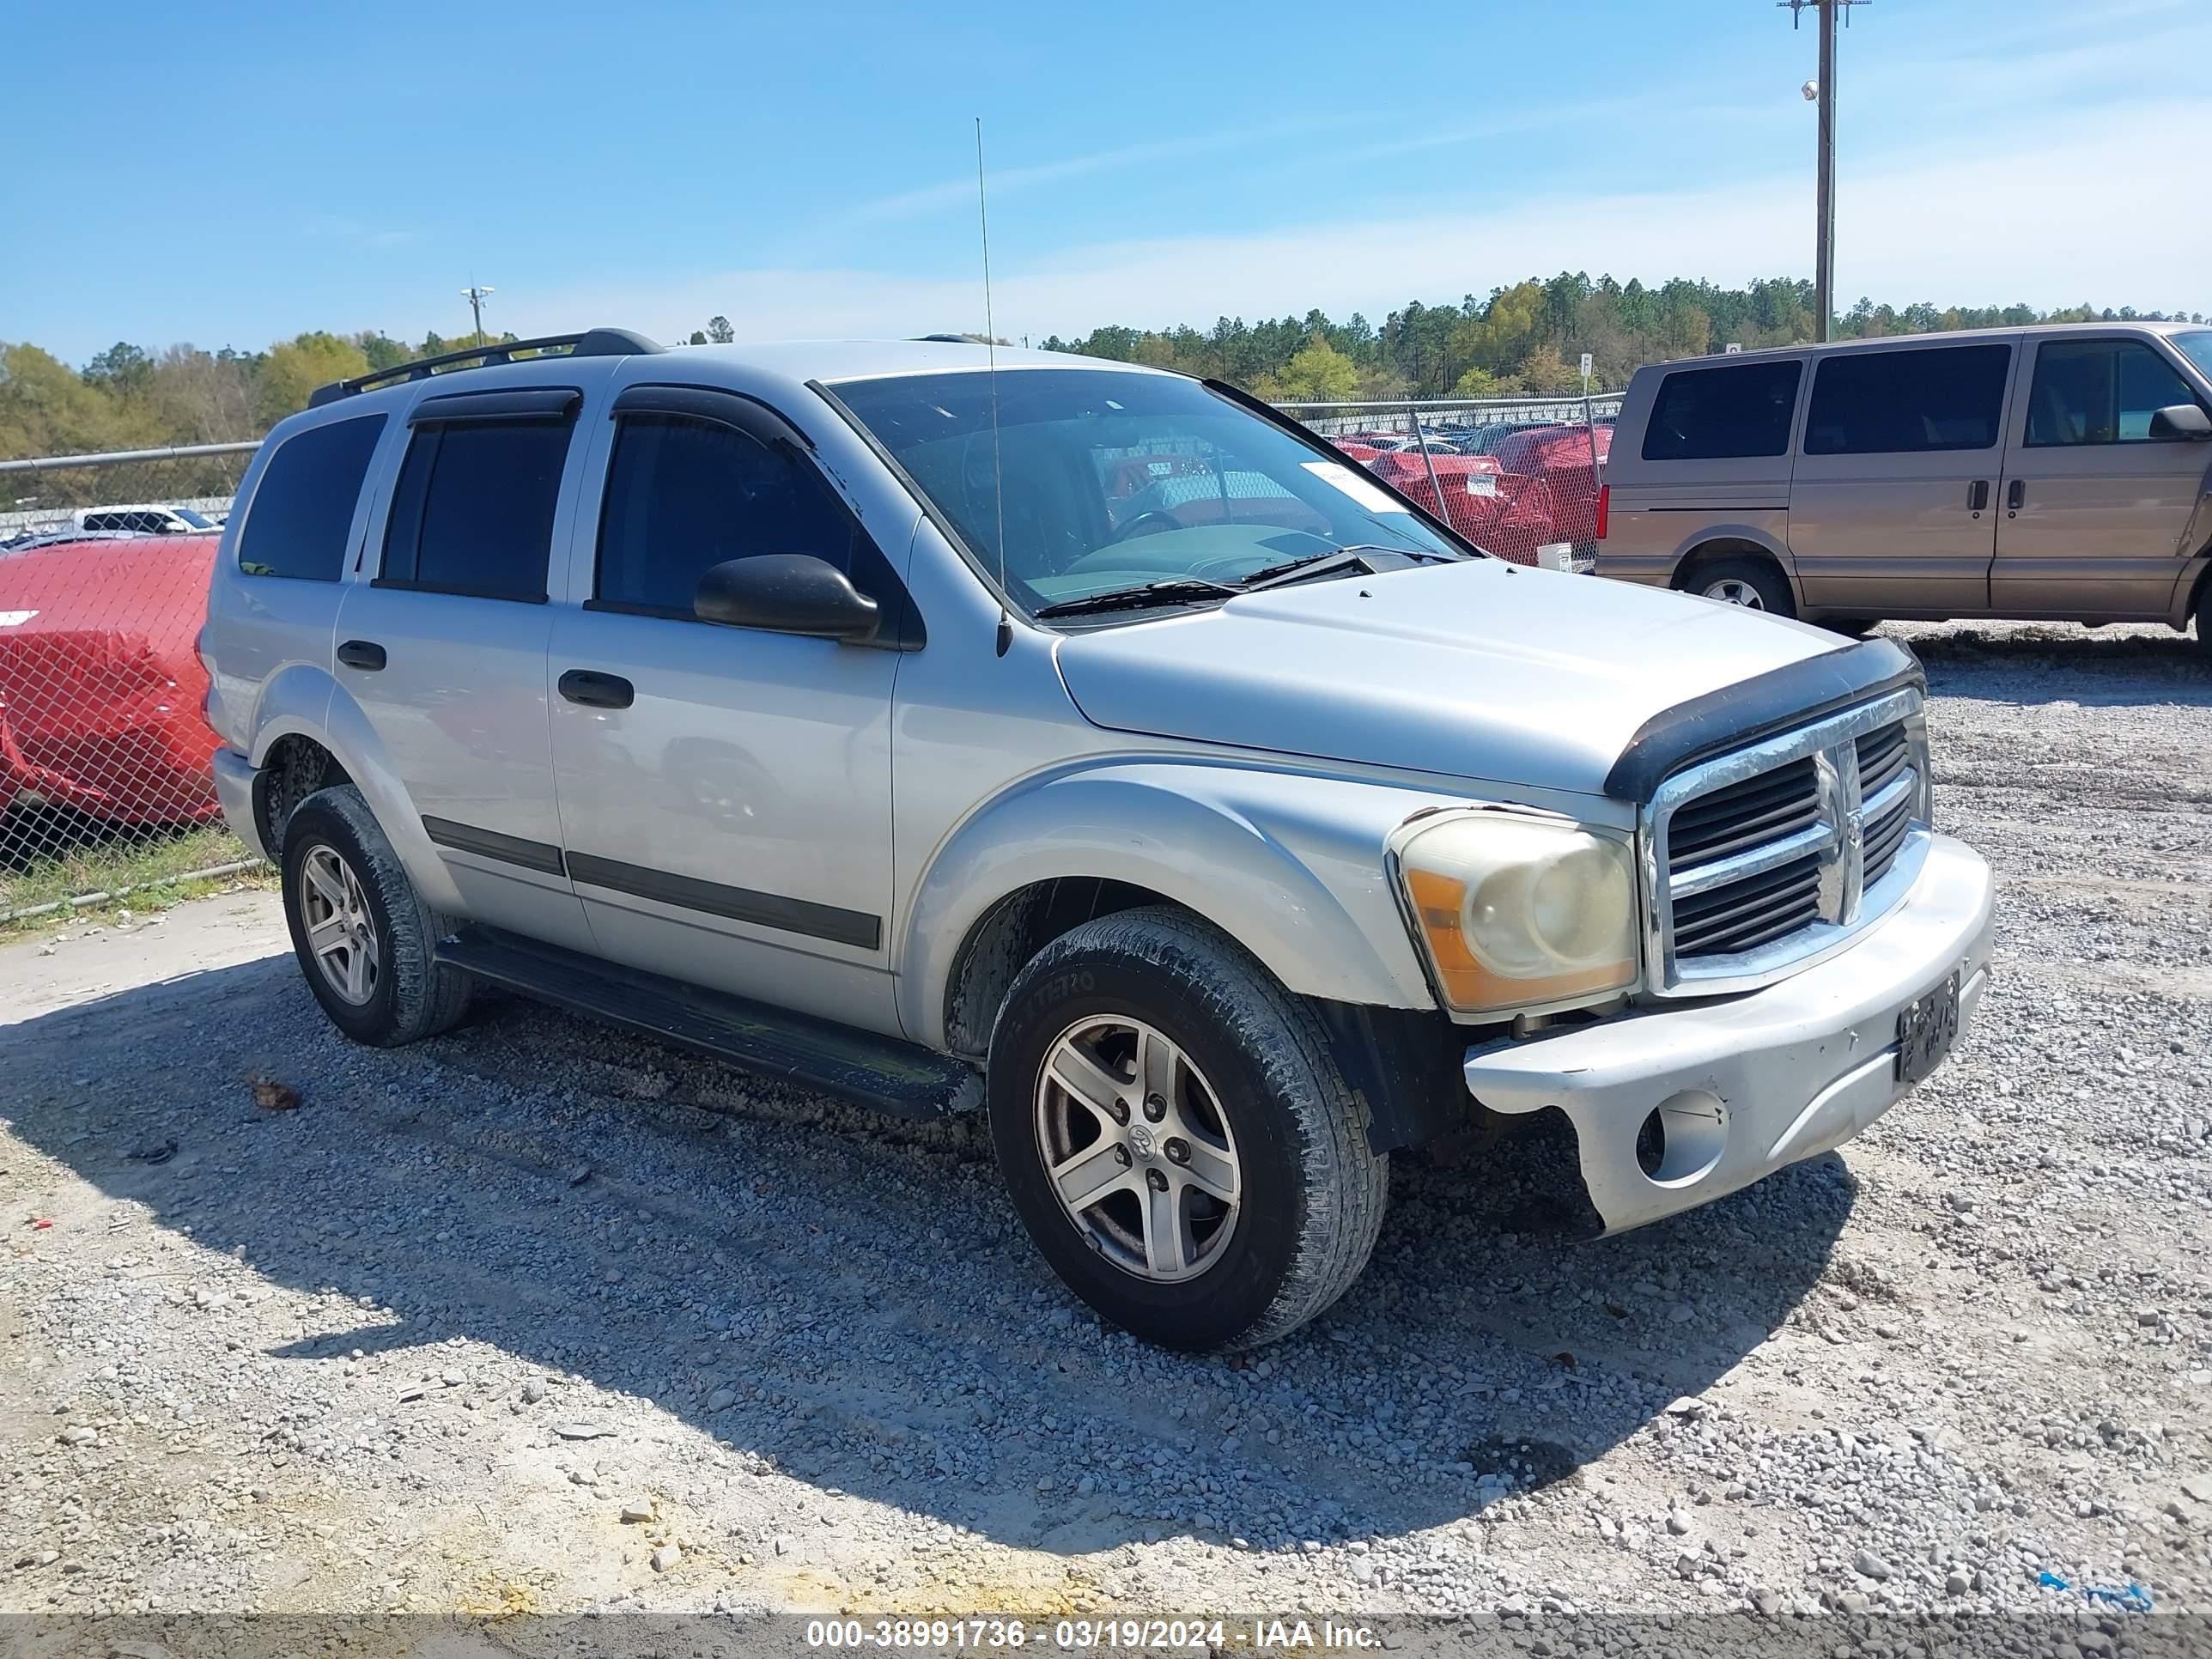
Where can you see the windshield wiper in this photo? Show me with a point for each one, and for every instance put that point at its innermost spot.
(1179, 590)
(1347, 557)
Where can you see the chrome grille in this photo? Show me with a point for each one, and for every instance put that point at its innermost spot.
(1767, 858)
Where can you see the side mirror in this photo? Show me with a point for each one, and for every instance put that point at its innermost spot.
(786, 593)
(2180, 420)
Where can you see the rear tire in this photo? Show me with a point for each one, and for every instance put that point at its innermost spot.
(1755, 584)
(1247, 1102)
(365, 940)
(2204, 622)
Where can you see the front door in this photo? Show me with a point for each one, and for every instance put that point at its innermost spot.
(1892, 499)
(444, 651)
(725, 793)
(2098, 502)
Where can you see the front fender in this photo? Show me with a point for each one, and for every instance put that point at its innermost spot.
(1292, 865)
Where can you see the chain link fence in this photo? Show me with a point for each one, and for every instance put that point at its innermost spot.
(104, 564)
(104, 746)
(1519, 476)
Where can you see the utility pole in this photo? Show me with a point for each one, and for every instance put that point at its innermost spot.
(476, 295)
(1823, 206)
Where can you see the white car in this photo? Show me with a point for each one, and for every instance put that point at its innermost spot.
(145, 518)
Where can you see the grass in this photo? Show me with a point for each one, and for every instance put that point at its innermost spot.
(81, 859)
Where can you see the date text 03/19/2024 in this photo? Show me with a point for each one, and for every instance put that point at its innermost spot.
(1090, 1635)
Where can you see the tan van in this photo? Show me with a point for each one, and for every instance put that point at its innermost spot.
(2060, 472)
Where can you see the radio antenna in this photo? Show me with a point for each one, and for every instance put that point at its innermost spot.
(991, 349)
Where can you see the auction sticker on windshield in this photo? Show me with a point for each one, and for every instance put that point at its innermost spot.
(1342, 477)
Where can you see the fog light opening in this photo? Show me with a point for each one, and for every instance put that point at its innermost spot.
(1681, 1138)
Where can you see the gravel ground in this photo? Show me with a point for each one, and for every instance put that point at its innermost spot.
(539, 1316)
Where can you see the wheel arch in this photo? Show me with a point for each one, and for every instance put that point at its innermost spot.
(1241, 850)
(1731, 542)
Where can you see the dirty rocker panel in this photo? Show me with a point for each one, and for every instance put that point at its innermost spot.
(882, 1073)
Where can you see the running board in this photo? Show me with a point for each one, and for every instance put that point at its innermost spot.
(882, 1073)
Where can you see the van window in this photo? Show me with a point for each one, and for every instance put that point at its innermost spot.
(297, 522)
(1723, 413)
(1891, 403)
(685, 495)
(472, 512)
(2100, 392)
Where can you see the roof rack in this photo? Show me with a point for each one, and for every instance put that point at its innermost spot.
(592, 343)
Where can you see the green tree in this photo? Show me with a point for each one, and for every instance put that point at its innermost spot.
(720, 332)
(296, 367)
(122, 368)
(1318, 372)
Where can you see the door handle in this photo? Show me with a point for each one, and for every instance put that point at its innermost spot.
(597, 690)
(2016, 493)
(1977, 496)
(364, 654)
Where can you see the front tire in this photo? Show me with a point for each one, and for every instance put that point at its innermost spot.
(1176, 1136)
(364, 939)
(2204, 622)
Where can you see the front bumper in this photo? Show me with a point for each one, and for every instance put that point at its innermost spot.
(1743, 1085)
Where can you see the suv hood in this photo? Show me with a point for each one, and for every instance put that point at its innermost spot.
(1480, 670)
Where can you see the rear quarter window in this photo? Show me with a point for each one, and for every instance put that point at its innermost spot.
(297, 522)
(1734, 413)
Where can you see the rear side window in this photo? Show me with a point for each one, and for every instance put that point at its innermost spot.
(297, 521)
(685, 495)
(1723, 413)
(1893, 403)
(472, 512)
(2100, 392)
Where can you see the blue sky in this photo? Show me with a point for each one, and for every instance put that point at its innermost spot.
(248, 169)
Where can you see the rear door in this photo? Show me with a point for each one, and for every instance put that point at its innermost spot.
(2098, 510)
(444, 649)
(1892, 498)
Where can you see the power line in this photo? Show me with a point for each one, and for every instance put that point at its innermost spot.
(1824, 205)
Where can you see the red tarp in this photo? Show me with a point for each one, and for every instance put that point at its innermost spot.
(100, 681)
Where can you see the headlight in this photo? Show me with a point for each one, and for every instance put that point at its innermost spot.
(1517, 911)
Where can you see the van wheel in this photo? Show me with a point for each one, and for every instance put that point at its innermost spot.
(1857, 628)
(1177, 1137)
(364, 937)
(1754, 584)
(2204, 622)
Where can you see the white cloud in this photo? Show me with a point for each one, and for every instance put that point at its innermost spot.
(2102, 206)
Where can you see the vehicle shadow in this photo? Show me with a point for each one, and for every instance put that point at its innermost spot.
(848, 1298)
(2040, 662)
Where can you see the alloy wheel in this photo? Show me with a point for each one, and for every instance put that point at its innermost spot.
(341, 931)
(1733, 590)
(1137, 1148)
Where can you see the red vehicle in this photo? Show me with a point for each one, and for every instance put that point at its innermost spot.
(1565, 460)
(101, 687)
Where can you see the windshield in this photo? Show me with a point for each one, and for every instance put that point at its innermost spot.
(195, 520)
(1111, 480)
(2197, 346)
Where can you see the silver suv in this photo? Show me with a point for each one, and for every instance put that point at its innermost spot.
(1082, 742)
